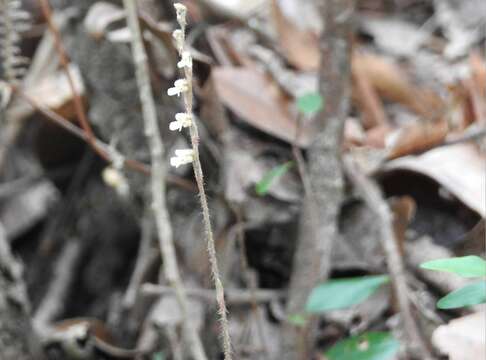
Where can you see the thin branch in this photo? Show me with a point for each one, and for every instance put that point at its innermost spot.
(325, 184)
(233, 296)
(373, 197)
(64, 60)
(158, 179)
(54, 301)
(249, 277)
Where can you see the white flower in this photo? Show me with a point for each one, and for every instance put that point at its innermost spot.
(178, 35)
(181, 11)
(186, 60)
(183, 120)
(183, 156)
(115, 179)
(180, 86)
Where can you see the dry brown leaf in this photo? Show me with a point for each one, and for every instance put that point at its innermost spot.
(259, 101)
(100, 16)
(301, 48)
(416, 137)
(367, 99)
(458, 168)
(476, 87)
(463, 338)
(391, 83)
(376, 137)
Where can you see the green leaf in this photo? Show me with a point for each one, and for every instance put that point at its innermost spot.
(264, 184)
(310, 104)
(298, 320)
(342, 293)
(368, 346)
(466, 266)
(158, 356)
(468, 295)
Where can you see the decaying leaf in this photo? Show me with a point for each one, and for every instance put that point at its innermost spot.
(416, 137)
(258, 101)
(391, 83)
(100, 16)
(463, 338)
(299, 46)
(459, 169)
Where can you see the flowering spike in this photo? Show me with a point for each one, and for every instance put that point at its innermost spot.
(180, 86)
(178, 35)
(183, 120)
(186, 60)
(183, 156)
(181, 12)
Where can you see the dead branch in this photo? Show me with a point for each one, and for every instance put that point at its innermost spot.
(312, 259)
(158, 179)
(233, 296)
(371, 194)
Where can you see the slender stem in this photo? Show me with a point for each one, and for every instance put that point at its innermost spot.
(158, 179)
(198, 173)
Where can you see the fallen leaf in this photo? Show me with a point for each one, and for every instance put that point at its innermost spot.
(394, 36)
(257, 100)
(367, 99)
(416, 137)
(391, 83)
(463, 338)
(100, 16)
(301, 48)
(459, 169)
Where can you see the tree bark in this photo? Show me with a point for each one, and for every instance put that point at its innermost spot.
(318, 227)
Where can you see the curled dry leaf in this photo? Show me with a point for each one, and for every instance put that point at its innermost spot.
(391, 83)
(100, 16)
(458, 168)
(54, 93)
(416, 137)
(463, 338)
(260, 102)
(300, 47)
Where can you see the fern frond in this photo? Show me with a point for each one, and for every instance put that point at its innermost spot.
(13, 21)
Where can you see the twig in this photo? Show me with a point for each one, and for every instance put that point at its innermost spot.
(145, 260)
(53, 302)
(312, 258)
(371, 194)
(79, 133)
(64, 60)
(187, 90)
(19, 340)
(250, 278)
(233, 296)
(158, 179)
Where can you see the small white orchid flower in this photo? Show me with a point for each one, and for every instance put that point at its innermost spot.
(115, 179)
(180, 86)
(186, 60)
(178, 35)
(183, 120)
(183, 156)
(181, 11)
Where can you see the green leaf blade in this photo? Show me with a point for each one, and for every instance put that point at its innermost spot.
(310, 104)
(368, 346)
(466, 266)
(343, 293)
(263, 186)
(468, 295)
